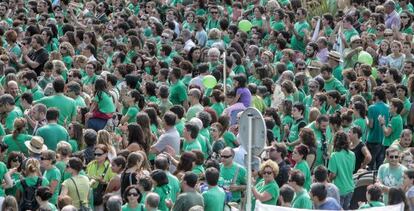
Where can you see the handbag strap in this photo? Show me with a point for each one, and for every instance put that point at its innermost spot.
(233, 181)
(77, 191)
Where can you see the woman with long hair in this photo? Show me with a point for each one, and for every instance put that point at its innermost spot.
(383, 51)
(186, 163)
(307, 138)
(144, 121)
(76, 182)
(32, 178)
(75, 131)
(104, 138)
(396, 58)
(161, 187)
(51, 173)
(133, 170)
(102, 107)
(408, 187)
(16, 140)
(67, 51)
(133, 138)
(299, 156)
(15, 161)
(341, 167)
(64, 152)
(132, 197)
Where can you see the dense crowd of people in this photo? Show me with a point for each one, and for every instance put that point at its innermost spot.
(135, 105)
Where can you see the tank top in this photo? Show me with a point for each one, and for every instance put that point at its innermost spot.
(127, 179)
(359, 156)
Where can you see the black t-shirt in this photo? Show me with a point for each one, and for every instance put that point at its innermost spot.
(40, 56)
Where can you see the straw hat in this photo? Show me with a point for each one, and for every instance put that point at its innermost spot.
(335, 56)
(355, 38)
(36, 145)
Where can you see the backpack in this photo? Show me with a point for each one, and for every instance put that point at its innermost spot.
(28, 201)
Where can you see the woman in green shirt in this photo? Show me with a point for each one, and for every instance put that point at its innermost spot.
(31, 178)
(16, 140)
(217, 99)
(189, 21)
(299, 156)
(14, 161)
(132, 196)
(406, 21)
(134, 102)
(360, 119)
(51, 173)
(67, 51)
(267, 190)
(76, 136)
(47, 36)
(161, 188)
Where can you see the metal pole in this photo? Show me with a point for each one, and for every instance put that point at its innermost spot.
(224, 72)
(249, 166)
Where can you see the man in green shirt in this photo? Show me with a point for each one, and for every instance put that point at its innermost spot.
(334, 59)
(178, 91)
(52, 133)
(30, 82)
(10, 111)
(161, 162)
(299, 28)
(65, 105)
(194, 96)
(191, 131)
(232, 175)
(395, 126)
(331, 83)
(190, 197)
(302, 199)
(214, 197)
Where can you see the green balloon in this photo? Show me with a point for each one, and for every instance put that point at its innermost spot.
(245, 25)
(209, 81)
(365, 58)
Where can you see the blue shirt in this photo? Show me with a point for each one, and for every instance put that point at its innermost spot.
(329, 204)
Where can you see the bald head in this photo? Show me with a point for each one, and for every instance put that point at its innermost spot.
(13, 88)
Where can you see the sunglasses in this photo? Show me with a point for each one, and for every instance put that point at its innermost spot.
(268, 172)
(225, 156)
(43, 158)
(214, 12)
(132, 194)
(394, 157)
(98, 154)
(15, 159)
(404, 17)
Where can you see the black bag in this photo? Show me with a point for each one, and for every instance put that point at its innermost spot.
(82, 207)
(99, 191)
(28, 201)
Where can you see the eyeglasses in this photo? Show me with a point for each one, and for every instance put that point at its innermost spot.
(213, 12)
(98, 154)
(213, 129)
(404, 17)
(15, 159)
(393, 156)
(268, 172)
(43, 158)
(225, 156)
(388, 35)
(132, 194)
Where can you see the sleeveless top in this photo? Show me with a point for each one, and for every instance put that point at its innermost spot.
(127, 179)
(359, 156)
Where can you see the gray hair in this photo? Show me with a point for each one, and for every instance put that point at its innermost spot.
(114, 203)
(152, 200)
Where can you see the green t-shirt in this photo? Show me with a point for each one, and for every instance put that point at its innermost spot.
(362, 124)
(296, 43)
(342, 164)
(193, 111)
(277, 25)
(175, 186)
(349, 33)
(89, 80)
(191, 145)
(229, 139)
(226, 177)
(105, 103)
(391, 177)
(396, 124)
(37, 93)
(319, 142)
(31, 181)
(302, 200)
(14, 114)
(304, 168)
(132, 113)
(407, 107)
(74, 144)
(198, 169)
(337, 72)
(52, 134)
(218, 108)
(3, 171)
(164, 192)
(17, 144)
(334, 84)
(372, 204)
(126, 207)
(214, 199)
(178, 93)
(51, 175)
(376, 134)
(271, 188)
(65, 105)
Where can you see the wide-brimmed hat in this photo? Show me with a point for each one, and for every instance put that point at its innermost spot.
(36, 145)
(335, 55)
(315, 65)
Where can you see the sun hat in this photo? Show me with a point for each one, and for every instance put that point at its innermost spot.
(36, 145)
